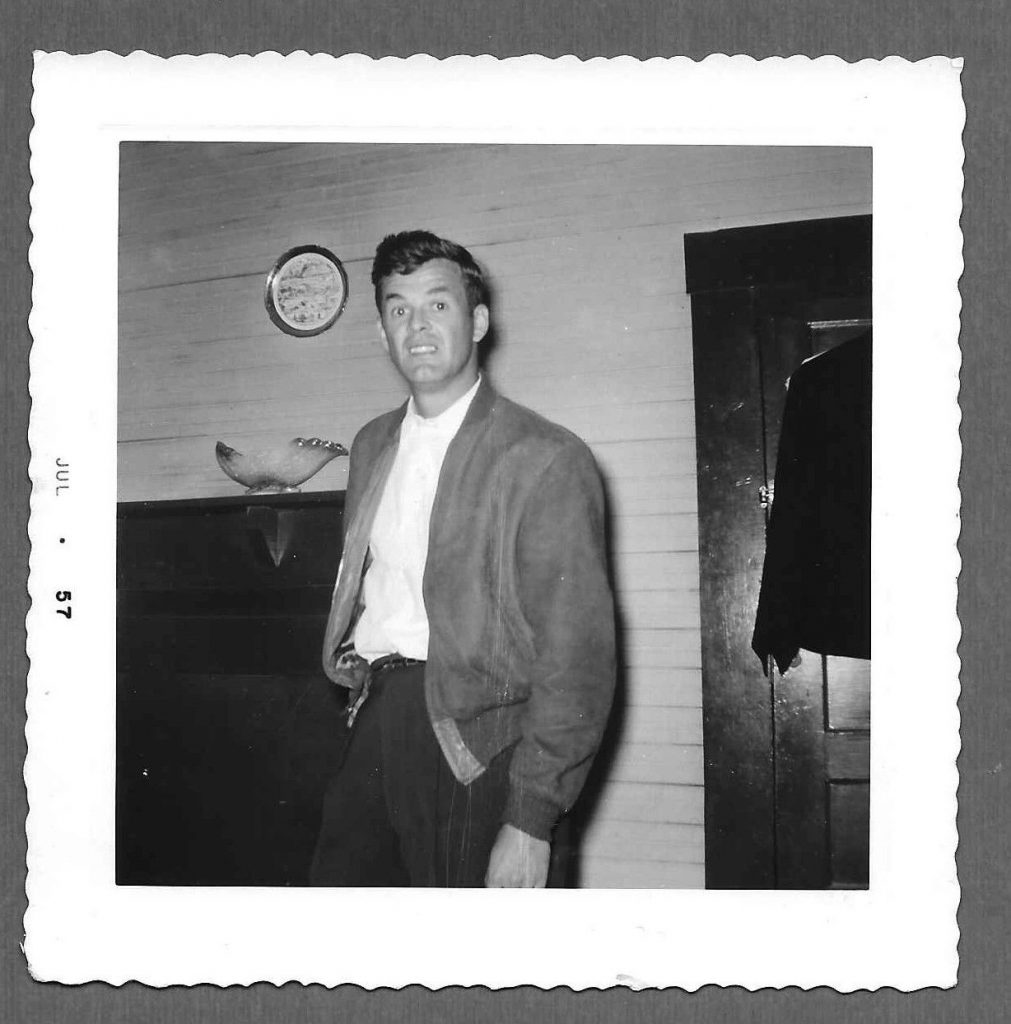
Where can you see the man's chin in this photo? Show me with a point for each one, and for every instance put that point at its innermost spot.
(425, 381)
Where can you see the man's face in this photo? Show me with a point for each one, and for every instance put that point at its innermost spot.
(429, 329)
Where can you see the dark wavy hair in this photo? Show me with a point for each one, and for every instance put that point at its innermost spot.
(405, 251)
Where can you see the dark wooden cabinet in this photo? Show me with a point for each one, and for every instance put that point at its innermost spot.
(226, 728)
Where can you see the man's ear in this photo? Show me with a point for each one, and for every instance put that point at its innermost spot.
(481, 320)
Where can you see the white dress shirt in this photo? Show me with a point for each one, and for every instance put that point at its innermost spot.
(394, 620)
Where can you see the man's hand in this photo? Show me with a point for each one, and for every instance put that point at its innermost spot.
(518, 860)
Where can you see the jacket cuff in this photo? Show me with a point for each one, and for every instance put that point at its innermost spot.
(346, 668)
(530, 814)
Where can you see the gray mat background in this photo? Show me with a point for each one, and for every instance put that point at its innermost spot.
(977, 30)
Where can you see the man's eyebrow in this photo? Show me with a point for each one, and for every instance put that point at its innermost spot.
(436, 289)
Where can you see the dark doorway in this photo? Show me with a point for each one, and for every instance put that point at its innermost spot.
(787, 757)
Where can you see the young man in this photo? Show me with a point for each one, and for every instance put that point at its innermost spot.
(472, 608)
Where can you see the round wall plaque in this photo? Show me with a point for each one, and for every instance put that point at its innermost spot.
(306, 290)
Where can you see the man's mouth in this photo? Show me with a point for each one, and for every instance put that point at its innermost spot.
(420, 350)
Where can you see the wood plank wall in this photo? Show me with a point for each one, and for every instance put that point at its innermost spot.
(584, 247)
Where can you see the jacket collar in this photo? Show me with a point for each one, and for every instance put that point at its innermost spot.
(480, 409)
(484, 401)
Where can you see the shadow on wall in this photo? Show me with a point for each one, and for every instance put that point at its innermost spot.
(570, 838)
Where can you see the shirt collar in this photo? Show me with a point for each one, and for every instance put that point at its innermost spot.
(448, 422)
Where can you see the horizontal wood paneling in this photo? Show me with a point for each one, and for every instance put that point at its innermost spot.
(662, 687)
(663, 648)
(623, 873)
(601, 872)
(652, 841)
(650, 571)
(592, 328)
(651, 802)
(657, 762)
(647, 724)
(661, 609)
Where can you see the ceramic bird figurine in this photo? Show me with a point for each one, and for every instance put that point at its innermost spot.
(278, 470)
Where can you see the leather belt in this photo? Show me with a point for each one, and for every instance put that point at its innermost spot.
(391, 661)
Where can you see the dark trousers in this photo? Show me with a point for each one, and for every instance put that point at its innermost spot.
(394, 814)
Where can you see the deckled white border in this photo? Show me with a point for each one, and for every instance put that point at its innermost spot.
(901, 933)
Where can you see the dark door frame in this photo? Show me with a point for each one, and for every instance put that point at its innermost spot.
(724, 271)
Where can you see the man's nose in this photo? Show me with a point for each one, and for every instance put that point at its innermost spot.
(419, 319)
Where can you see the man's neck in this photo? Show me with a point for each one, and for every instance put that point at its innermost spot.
(429, 404)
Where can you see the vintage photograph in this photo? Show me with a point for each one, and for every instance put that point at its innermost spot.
(495, 507)
(603, 616)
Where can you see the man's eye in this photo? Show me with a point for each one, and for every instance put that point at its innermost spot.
(440, 306)
(397, 311)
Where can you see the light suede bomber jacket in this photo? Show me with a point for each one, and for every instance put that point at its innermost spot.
(520, 610)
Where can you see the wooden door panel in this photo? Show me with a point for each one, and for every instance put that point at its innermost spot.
(849, 846)
(847, 757)
(801, 812)
(849, 693)
(810, 762)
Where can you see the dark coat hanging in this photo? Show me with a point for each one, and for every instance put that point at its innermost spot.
(816, 591)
